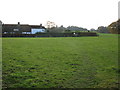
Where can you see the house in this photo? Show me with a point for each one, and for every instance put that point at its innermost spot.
(20, 28)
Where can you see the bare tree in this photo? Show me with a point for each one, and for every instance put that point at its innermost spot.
(50, 24)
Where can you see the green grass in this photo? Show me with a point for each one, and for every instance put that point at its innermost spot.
(63, 62)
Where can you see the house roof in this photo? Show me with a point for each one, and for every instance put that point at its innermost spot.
(21, 27)
(11, 27)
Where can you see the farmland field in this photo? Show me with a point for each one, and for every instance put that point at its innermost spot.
(60, 62)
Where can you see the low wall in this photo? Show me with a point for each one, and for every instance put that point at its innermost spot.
(52, 34)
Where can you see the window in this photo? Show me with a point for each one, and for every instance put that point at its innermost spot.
(26, 32)
(5, 32)
(15, 29)
(23, 32)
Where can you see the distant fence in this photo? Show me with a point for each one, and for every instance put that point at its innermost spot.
(79, 34)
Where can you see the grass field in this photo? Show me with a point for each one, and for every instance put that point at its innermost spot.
(63, 62)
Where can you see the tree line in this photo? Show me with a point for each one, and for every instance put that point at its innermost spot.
(112, 28)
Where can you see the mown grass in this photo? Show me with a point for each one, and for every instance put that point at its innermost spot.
(63, 62)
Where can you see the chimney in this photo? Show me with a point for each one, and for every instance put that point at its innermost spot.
(40, 25)
(18, 23)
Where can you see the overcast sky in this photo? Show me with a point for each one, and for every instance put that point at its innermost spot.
(83, 13)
